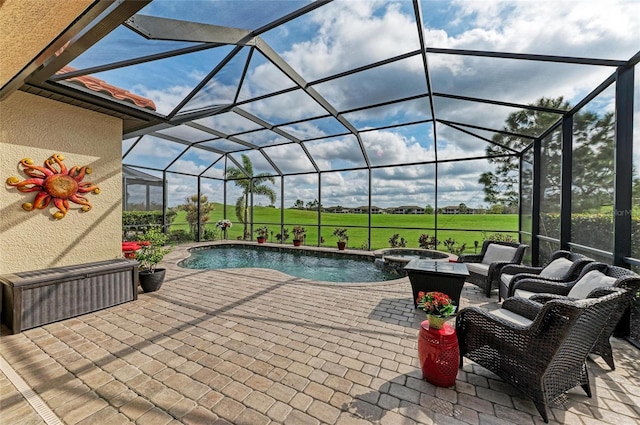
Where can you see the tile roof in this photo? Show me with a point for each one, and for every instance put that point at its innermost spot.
(102, 86)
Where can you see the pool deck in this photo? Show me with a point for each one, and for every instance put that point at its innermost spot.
(255, 346)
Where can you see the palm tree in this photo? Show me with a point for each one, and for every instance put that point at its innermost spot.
(242, 179)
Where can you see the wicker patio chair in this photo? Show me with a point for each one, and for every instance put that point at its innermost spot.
(544, 357)
(563, 266)
(484, 268)
(618, 277)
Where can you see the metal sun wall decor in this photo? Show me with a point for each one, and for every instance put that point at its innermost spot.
(54, 182)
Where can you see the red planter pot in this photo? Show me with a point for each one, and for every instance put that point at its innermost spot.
(297, 242)
(261, 240)
(439, 354)
(342, 245)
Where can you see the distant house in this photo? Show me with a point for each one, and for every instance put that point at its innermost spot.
(451, 209)
(455, 209)
(337, 210)
(365, 210)
(409, 209)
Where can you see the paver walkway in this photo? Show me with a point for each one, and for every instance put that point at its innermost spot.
(252, 346)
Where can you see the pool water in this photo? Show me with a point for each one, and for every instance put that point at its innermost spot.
(303, 264)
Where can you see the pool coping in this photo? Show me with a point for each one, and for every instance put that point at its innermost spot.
(379, 253)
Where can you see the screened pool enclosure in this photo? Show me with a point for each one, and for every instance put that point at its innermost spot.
(382, 117)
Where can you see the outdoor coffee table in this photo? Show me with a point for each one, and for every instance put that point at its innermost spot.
(429, 275)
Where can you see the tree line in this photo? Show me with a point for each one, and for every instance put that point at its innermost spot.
(592, 159)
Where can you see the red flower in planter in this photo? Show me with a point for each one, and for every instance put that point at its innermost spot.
(436, 303)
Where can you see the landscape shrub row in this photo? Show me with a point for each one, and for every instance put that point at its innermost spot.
(137, 222)
(593, 230)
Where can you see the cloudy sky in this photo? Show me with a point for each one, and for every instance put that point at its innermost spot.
(343, 36)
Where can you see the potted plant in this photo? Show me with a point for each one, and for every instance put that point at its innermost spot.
(438, 350)
(222, 226)
(341, 234)
(438, 307)
(282, 237)
(263, 233)
(152, 251)
(298, 235)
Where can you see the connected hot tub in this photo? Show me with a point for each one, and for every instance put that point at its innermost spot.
(393, 260)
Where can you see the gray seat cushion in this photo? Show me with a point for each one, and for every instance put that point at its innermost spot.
(496, 252)
(524, 294)
(557, 269)
(506, 279)
(478, 268)
(590, 281)
(512, 317)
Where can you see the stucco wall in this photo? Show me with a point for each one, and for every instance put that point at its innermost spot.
(35, 127)
(28, 26)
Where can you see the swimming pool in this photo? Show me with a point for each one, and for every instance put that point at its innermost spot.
(307, 264)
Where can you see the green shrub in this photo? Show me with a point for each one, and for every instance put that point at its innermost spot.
(135, 223)
(592, 230)
(180, 236)
(395, 243)
(428, 242)
(450, 243)
(501, 237)
(282, 237)
(151, 253)
(210, 234)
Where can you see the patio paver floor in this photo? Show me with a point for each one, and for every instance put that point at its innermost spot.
(252, 346)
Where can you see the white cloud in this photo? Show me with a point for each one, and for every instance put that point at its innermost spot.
(336, 152)
(348, 34)
(165, 99)
(182, 166)
(289, 158)
(153, 152)
(573, 28)
(387, 147)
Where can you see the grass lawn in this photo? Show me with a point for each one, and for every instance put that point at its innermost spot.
(409, 226)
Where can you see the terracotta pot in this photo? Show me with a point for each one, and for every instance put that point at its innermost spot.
(261, 239)
(341, 245)
(296, 242)
(151, 282)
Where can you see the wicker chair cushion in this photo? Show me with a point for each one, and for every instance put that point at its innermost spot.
(506, 278)
(496, 252)
(557, 269)
(478, 268)
(590, 281)
(524, 294)
(512, 317)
